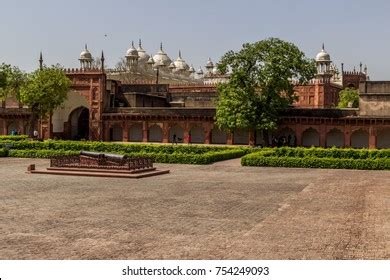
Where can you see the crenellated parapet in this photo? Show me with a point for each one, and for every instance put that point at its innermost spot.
(82, 70)
(352, 78)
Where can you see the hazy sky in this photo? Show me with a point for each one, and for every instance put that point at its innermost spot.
(353, 31)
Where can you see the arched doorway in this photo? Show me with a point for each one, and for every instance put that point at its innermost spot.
(79, 123)
(359, 139)
(155, 133)
(116, 133)
(197, 135)
(12, 129)
(286, 137)
(310, 137)
(383, 139)
(178, 132)
(241, 136)
(335, 138)
(136, 133)
(218, 136)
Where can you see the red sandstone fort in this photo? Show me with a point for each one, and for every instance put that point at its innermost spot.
(153, 98)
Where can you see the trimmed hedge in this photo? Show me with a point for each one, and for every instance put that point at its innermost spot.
(332, 153)
(316, 158)
(13, 137)
(190, 154)
(120, 148)
(205, 158)
(39, 153)
(3, 152)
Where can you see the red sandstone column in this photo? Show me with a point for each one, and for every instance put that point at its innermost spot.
(144, 132)
(207, 127)
(107, 131)
(186, 132)
(229, 138)
(125, 129)
(185, 135)
(298, 135)
(252, 137)
(207, 135)
(322, 129)
(165, 133)
(347, 137)
(372, 138)
(4, 132)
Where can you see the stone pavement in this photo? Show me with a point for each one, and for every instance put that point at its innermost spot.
(219, 211)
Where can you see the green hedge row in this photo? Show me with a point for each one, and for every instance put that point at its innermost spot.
(331, 153)
(205, 158)
(310, 162)
(13, 137)
(319, 158)
(118, 148)
(39, 153)
(3, 152)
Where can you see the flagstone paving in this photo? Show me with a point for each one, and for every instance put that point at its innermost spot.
(219, 211)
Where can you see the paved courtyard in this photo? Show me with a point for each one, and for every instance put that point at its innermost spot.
(221, 211)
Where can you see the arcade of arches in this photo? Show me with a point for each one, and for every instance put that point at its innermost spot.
(317, 135)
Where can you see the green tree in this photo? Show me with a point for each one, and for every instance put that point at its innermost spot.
(3, 80)
(44, 91)
(261, 84)
(11, 80)
(349, 98)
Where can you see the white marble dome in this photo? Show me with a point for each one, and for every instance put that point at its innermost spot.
(209, 63)
(180, 63)
(132, 52)
(143, 56)
(161, 57)
(200, 71)
(85, 54)
(323, 55)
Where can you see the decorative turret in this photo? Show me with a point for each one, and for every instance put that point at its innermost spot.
(40, 61)
(162, 58)
(86, 59)
(102, 61)
(132, 57)
(143, 57)
(323, 62)
(199, 73)
(180, 65)
(191, 70)
(209, 66)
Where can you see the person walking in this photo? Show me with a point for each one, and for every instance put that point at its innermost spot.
(174, 140)
(189, 138)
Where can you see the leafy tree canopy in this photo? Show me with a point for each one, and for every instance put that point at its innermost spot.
(260, 84)
(349, 98)
(45, 90)
(11, 80)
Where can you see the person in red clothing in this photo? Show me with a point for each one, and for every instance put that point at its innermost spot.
(189, 138)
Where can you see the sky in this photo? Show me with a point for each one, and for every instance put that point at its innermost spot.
(352, 31)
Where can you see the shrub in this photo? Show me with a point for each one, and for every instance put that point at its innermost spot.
(120, 148)
(332, 153)
(317, 158)
(39, 153)
(3, 152)
(205, 158)
(13, 137)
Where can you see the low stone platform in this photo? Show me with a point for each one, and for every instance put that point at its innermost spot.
(130, 174)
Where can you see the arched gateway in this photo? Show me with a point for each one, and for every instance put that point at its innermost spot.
(79, 123)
